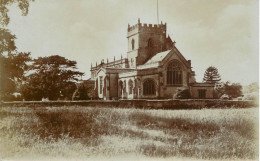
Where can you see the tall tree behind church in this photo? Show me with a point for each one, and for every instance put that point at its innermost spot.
(211, 75)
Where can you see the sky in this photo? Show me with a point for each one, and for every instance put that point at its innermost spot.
(220, 33)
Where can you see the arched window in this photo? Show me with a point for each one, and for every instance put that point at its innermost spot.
(149, 87)
(150, 43)
(130, 86)
(120, 89)
(133, 44)
(174, 73)
(100, 85)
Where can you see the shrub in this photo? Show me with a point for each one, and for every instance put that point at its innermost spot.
(182, 94)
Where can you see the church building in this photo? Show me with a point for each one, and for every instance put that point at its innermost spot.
(154, 69)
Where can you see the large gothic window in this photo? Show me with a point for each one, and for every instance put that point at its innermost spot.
(149, 87)
(133, 44)
(174, 73)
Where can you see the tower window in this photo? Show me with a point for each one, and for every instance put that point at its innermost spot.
(133, 44)
(149, 44)
(149, 87)
(174, 73)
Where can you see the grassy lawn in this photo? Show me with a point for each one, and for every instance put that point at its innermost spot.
(87, 133)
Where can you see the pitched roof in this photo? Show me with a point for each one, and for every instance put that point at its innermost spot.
(158, 57)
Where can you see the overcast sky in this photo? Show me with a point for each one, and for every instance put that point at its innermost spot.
(222, 33)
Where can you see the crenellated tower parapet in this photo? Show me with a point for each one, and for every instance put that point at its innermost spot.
(146, 28)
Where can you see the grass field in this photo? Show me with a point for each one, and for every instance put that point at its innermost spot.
(87, 133)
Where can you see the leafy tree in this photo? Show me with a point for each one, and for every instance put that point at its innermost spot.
(233, 90)
(211, 75)
(253, 87)
(12, 63)
(53, 77)
(12, 69)
(80, 93)
(7, 44)
(22, 4)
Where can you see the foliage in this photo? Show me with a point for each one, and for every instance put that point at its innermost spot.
(182, 94)
(13, 64)
(80, 93)
(12, 68)
(211, 75)
(53, 77)
(6, 41)
(233, 90)
(22, 4)
(253, 87)
(251, 96)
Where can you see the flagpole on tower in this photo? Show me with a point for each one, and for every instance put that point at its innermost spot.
(157, 14)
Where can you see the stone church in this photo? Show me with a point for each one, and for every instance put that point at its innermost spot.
(154, 69)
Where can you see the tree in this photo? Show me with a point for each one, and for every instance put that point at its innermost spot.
(211, 75)
(52, 77)
(12, 63)
(80, 93)
(12, 68)
(22, 4)
(233, 90)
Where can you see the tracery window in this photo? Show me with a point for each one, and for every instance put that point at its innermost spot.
(174, 73)
(149, 87)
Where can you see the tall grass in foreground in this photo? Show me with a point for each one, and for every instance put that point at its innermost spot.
(85, 131)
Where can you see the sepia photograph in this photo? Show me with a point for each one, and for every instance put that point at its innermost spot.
(129, 80)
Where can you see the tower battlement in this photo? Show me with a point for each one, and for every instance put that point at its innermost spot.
(143, 27)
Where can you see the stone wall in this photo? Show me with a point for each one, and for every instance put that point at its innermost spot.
(147, 104)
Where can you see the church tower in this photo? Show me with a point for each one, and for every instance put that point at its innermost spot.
(144, 41)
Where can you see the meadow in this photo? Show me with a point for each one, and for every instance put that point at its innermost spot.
(87, 133)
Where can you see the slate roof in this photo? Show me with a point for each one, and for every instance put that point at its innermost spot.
(158, 57)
